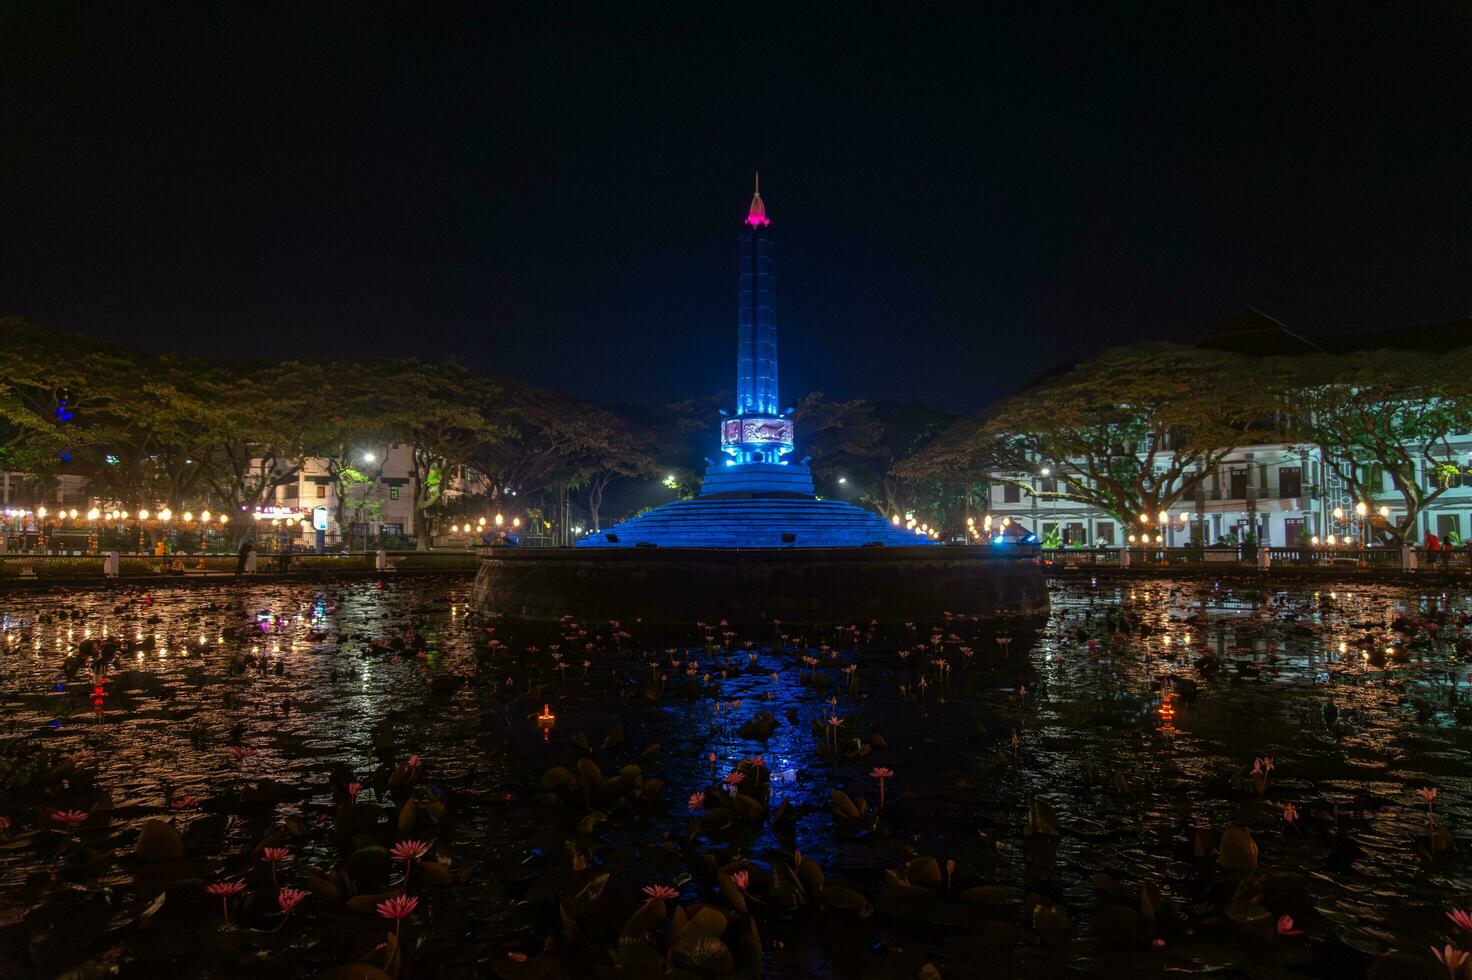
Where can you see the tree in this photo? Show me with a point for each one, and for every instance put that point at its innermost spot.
(447, 415)
(50, 403)
(355, 407)
(1133, 431)
(844, 439)
(619, 450)
(258, 424)
(1386, 413)
(868, 444)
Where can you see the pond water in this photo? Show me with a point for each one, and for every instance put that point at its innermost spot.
(1078, 771)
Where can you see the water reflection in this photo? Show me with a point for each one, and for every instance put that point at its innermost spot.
(1136, 711)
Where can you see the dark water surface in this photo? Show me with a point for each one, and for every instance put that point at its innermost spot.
(1138, 711)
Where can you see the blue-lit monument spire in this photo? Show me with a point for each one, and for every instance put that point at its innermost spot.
(758, 432)
(755, 498)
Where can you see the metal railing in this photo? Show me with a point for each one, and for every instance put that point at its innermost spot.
(21, 568)
(1385, 559)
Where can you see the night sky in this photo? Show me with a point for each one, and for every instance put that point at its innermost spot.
(957, 203)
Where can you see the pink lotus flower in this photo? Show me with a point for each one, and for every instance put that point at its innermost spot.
(697, 800)
(398, 908)
(225, 890)
(353, 790)
(1462, 919)
(1452, 959)
(1285, 926)
(1427, 793)
(734, 780)
(1290, 814)
(186, 802)
(69, 818)
(289, 898)
(408, 851)
(413, 762)
(880, 773)
(4, 825)
(659, 893)
(272, 856)
(241, 753)
(756, 761)
(740, 878)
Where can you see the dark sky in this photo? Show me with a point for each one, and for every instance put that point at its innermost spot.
(958, 200)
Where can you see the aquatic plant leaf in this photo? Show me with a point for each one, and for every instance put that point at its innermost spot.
(1238, 851)
(393, 955)
(905, 902)
(785, 891)
(923, 871)
(730, 894)
(1050, 918)
(1041, 820)
(436, 873)
(408, 816)
(645, 918)
(839, 897)
(592, 775)
(571, 931)
(637, 957)
(704, 954)
(1153, 905)
(323, 887)
(843, 807)
(370, 865)
(353, 971)
(810, 875)
(991, 894)
(558, 778)
(158, 841)
(749, 807)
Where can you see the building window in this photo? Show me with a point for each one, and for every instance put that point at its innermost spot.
(1050, 485)
(321, 491)
(1011, 493)
(1104, 531)
(1290, 482)
(1239, 485)
(393, 493)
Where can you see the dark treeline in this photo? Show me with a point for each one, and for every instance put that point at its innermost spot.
(152, 429)
(1135, 430)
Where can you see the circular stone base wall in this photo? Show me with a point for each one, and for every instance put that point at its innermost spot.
(797, 585)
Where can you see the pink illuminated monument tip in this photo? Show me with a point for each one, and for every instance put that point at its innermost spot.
(757, 215)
